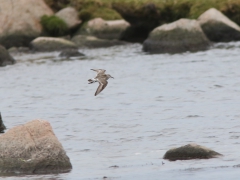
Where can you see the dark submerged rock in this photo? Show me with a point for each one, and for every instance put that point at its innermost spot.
(190, 151)
(32, 148)
(5, 57)
(2, 126)
(218, 27)
(70, 53)
(177, 37)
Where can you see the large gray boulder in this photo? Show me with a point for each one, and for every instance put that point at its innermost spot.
(83, 41)
(177, 37)
(20, 21)
(104, 29)
(190, 151)
(70, 16)
(218, 27)
(5, 57)
(51, 44)
(32, 148)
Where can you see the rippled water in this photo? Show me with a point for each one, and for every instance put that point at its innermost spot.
(155, 102)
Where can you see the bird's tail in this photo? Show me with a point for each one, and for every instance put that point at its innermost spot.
(91, 81)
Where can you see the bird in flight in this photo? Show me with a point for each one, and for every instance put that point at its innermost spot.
(101, 78)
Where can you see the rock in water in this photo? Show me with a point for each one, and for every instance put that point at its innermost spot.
(94, 42)
(190, 151)
(70, 16)
(51, 44)
(2, 126)
(70, 53)
(104, 29)
(218, 27)
(5, 57)
(32, 148)
(20, 21)
(177, 37)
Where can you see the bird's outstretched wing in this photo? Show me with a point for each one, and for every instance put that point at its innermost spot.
(102, 84)
(99, 70)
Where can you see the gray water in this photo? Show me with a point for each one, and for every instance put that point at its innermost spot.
(155, 102)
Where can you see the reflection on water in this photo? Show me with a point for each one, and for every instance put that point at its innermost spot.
(155, 102)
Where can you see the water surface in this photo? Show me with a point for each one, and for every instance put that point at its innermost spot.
(155, 102)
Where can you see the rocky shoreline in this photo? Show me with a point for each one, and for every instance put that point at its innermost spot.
(40, 29)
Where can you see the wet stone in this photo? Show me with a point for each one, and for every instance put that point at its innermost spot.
(190, 151)
(70, 53)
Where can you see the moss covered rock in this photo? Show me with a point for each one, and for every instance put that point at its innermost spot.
(54, 26)
(89, 13)
(218, 27)
(5, 59)
(32, 148)
(51, 44)
(190, 151)
(177, 37)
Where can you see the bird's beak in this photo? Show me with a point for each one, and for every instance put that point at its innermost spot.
(112, 77)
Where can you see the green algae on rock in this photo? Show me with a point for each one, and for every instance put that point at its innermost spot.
(145, 15)
(54, 26)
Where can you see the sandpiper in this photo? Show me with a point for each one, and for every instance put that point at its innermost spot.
(101, 78)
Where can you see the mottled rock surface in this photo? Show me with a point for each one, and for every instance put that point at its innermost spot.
(20, 21)
(218, 27)
(70, 16)
(5, 57)
(190, 151)
(104, 29)
(51, 44)
(32, 148)
(177, 37)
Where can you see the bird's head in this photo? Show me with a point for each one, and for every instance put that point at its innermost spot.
(109, 76)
